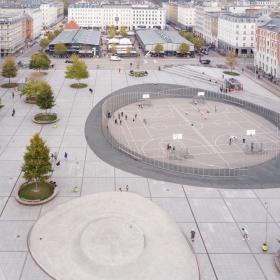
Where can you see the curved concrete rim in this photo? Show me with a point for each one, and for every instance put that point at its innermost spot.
(81, 255)
(265, 175)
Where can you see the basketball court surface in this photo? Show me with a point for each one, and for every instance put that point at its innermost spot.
(192, 133)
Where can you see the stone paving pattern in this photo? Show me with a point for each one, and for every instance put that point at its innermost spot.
(216, 214)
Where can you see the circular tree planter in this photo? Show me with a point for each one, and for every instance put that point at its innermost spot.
(43, 118)
(230, 73)
(138, 73)
(9, 85)
(78, 85)
(28, 194)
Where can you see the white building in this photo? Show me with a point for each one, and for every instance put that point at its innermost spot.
(186, 14)
(203, 18)
(103, 16)
(33, 12)
(52, 13)
(267, 54)
(12, 33)
(237, 33)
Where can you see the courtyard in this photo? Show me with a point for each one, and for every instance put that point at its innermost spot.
(217, 215)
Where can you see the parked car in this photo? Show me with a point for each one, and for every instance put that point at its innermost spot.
(115, 58)
(205, 61)
(68, 61)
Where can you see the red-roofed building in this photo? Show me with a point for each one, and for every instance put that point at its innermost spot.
(72, 25)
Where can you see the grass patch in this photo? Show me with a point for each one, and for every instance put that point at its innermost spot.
(9, 85)
(77, 85)
(231, 73)
(45, 117)
(30, 192)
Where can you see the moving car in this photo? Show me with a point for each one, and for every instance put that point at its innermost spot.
(115, 58)
(205, 61)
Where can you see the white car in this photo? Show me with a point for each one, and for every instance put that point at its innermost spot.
(115, 58)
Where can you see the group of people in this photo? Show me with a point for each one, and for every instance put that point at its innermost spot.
(126, 188)
(55, 160)
(169, 147)
(234, 139)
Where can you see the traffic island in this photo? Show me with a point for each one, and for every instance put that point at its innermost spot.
(78, 85)
(45, 118)
(32, 194)
(231, 73)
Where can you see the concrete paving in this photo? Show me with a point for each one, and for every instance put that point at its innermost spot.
(222, 254)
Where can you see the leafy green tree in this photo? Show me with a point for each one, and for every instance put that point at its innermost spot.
(37, 165)
(51, 36)
(60, 49)
(31, 89)
(9, 68)
(198, 43)
(56, 32)
(187, 36)
(158, 49)
(45, 98)
(184, 49)
(123, 31)
(112, 31)
(78, 70)
(39, 61)
(44, 43)
(231, 60)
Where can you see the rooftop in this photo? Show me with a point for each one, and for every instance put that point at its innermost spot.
(154, 36)
(81, 36)
(272, 25)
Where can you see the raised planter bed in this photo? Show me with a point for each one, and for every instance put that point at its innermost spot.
(28, 194)
(138, 73)
(9, 85)
(78, 85)
(231, 73)
(43, 118)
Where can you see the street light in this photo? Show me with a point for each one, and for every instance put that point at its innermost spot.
(265, 246)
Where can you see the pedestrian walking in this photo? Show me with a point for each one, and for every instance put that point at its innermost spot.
(119, 70)
(13, 94)
(120, 122)
(55, 156)
(116, 121)
(135, 116)
(245, 234)
(133, 120)
(58, 163)
(13, 112)
(126, 187)
(65, 155)
(230, 141)
(243, 140)
(192, 235)
(121, 114)
(120, 189)
(126, 117)
(52, 156)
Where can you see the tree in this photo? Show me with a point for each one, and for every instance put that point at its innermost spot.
(231, 60)
(37, 165)
(50, 35)
(44, 43)
(60, 49)
(78, 70)
(31, 89)
(9, 69)
(184, 48)
(123, 31)
(187, 36)
(56, 32)
(112, 31)
(45, 98)
(198, 43)
(39, 61)
(114, 49)
(158, 49)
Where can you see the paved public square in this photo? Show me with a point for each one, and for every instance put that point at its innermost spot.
(217, 215)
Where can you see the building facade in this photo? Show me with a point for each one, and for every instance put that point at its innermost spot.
(237, 33)
(52, 12)
(12, 33)
(267, 54)
(103, 16)
(186, 15)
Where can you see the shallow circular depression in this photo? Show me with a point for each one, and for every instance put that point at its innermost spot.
(111, 236)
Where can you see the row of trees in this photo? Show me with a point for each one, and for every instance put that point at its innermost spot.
(50, 36)
(197, 41)
(112, 31)
(184, 48)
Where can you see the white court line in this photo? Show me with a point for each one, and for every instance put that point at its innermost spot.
(198, 133)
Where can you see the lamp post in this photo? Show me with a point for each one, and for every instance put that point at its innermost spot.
(265, 246)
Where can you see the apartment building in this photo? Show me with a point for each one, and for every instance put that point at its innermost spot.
(104, 15)
(236, 32)
(12, 33)
(186, 15)
(267, 54)
(52, 12)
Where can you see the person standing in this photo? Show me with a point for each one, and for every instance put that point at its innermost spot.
(192, 235)
(13, 112)
(65, 155)
(245, 234)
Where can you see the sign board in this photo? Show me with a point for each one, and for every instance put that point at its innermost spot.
(201, 93)
(178, 136)
(146, 96)
(250, 132)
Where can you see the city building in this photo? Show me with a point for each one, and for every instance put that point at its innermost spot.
(172, 12)
(12, 33)
(82, 42)
(52, 13)
(186, 15)
(206, 20)
(267, 54)
(104, 15)
(170, 40)
(236, 32)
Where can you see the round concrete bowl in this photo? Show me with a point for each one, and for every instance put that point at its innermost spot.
(35, 118)
(37, 201)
